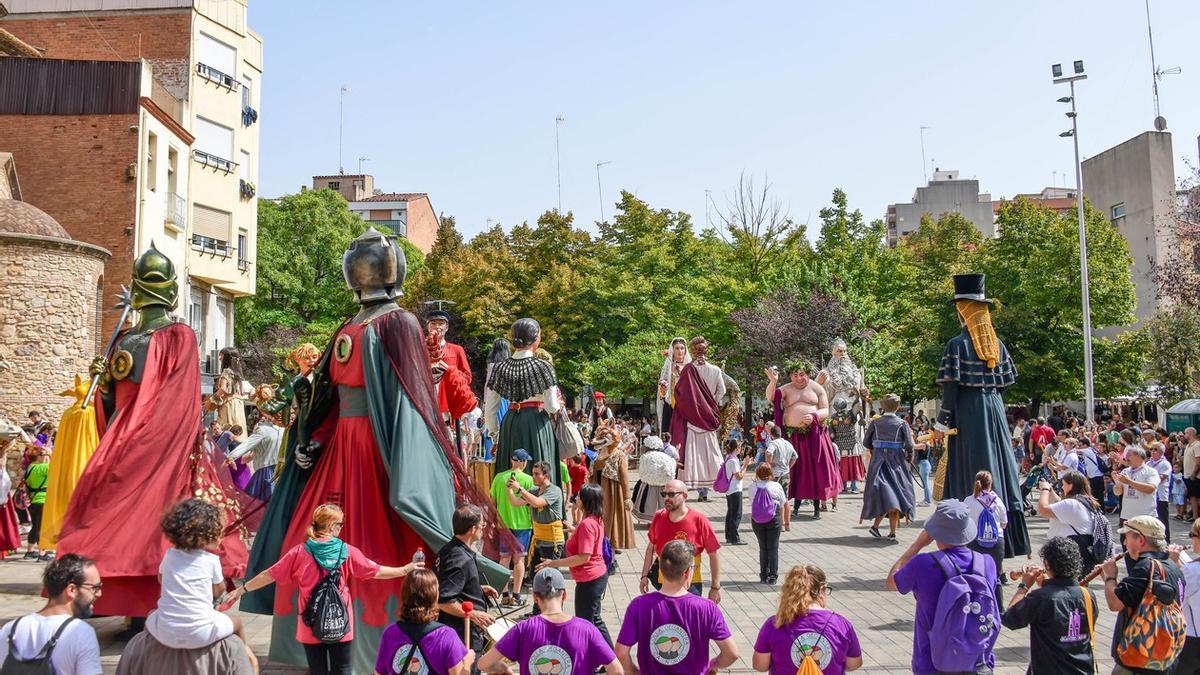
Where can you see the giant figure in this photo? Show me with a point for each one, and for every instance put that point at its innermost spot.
(801, 410)
(148, 457)
(368, 437)
(677, 357)
(975, 371)
(696, 420)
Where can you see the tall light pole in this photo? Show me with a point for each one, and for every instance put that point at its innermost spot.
(1085, 286)
(923, 165)
(341, 100)
(707, 200)
(558, 158)
(600, 188)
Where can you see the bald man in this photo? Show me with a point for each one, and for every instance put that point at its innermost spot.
(677, 521)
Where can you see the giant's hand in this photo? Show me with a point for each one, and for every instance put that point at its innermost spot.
(307, 456)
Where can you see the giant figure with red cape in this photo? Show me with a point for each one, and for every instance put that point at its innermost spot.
(367, 436)
(149, 457)
(696, 418)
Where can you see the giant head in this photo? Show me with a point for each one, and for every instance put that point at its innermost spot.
(374, 268)
(154, 281)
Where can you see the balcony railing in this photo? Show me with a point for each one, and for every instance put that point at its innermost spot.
(217, 77)
(215, 247)
(243, 264)
(399, 227)
(212, 161)
(177, 210)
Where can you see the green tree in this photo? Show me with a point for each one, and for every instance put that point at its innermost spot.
(630, 369)
(1174, 360)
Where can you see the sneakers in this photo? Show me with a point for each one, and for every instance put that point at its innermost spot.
(47, 556)
(892, 536)
(30, 555)
(874, 532)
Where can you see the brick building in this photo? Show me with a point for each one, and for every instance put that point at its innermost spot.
(408, 214)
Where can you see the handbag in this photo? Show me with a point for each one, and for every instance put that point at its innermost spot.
(570, 441)
(1154, 631)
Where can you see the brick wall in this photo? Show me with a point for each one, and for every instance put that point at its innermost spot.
(73, 167)
(422, 224)
(162, 38)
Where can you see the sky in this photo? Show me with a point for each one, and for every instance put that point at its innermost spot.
(459, 100)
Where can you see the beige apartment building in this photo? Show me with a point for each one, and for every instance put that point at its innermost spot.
(408, 214)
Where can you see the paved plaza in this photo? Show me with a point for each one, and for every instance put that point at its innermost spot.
(855, 563)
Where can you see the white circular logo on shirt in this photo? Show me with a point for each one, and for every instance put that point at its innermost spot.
(812, 643)
(549, 660)
(415, 667)
(669, 644)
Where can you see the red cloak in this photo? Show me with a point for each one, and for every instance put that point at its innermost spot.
(695, 405)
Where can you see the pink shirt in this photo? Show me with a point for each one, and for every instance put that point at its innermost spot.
(298, 569)
(588, 538)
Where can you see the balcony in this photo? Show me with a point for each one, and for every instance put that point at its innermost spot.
(399, 227)
(214, 162)
(208, 245)
(176, 211)
(218, 78)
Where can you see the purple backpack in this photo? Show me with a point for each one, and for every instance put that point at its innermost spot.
(966, 620)
(721, 484)
(763, 508)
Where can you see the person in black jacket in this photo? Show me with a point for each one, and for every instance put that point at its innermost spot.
(1061, 615)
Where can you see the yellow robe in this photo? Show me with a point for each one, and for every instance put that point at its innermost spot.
(73, 446)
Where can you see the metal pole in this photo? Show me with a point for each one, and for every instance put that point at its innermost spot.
(1089, 382)
(600, 188)
(341, 102)
(924, 173)
(558, 160)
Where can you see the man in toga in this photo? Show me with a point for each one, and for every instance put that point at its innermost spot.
(696, 418)
(801, 407)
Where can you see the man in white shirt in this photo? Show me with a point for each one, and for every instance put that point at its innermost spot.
(1137, 484)
(1162, 493)
(1092, 466)
(72, 584)
(781, 456)
(1191, 468)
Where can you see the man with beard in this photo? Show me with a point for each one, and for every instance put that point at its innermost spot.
(72, 584)
(677, 358)
(695, 422)
(801, 406)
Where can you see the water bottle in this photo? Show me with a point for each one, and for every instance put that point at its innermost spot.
(419, 556)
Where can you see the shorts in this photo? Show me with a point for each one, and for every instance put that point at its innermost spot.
(1193, 487)
(523, 539)
(783, 482)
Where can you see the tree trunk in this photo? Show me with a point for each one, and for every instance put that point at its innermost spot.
(1035, 405)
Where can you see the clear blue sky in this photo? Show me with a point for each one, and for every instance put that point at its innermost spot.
(459, 99)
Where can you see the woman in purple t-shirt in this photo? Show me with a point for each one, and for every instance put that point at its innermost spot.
(803, 626)
(439, 648)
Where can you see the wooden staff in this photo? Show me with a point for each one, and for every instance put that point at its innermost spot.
(467, 608)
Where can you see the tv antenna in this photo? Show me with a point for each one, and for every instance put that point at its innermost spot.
(1160, 122)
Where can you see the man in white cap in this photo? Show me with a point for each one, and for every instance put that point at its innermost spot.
(924, 574)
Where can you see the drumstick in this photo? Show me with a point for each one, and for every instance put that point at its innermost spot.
(467, 606)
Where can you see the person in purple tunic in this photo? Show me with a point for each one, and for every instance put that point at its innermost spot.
(439, 649)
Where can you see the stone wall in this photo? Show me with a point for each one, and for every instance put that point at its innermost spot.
(48, 321)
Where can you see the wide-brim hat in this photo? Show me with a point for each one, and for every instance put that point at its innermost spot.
(951, 523)
(970, 287)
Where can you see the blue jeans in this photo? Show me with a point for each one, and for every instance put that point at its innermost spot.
(923, 467)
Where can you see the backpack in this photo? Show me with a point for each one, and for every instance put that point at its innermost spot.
(1101, 540)
(39, 664)
(966, 620)
(763, 508)
(325, 613)
(987, 534)
(721, 484)
(1154, 631)
(415, 638)
(808, 665)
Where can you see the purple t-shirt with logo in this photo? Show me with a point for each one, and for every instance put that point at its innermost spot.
(924, 578)
(541, 646)
(672, 634)
(440, 650)
(827, 635)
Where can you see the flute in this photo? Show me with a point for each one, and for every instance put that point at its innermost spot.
(1096, 572)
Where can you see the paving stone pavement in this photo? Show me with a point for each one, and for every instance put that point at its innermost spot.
(856, 565)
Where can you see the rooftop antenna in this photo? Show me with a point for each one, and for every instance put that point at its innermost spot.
(360, 161)
(1160, 122)
(341, 100)
(924, 167)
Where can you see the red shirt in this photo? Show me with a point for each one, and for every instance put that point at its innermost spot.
(297, 568)
(578, 473)
(1041, 431)
(588, 538)
(694, 527)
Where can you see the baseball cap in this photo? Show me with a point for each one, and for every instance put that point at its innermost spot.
(548, 580)
(1147, 526)
(521, 455)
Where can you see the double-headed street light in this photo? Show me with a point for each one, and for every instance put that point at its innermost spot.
(1073, 133)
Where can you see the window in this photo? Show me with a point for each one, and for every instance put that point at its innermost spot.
(247, 92)
(216, 54)
(214, 139)
(243, 255)
(196, 312)
(151, 153)
(244, 167)
(210, 230)
(172, 171)
(1117, 211)
(335, 184)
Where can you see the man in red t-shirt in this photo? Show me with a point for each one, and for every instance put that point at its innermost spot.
(677, 521)
(578, 473)
(1041, 431)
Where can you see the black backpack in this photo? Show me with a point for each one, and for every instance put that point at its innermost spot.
(326, 614)
(37, 665)
(415, 634)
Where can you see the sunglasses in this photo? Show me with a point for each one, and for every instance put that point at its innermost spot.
(667, 495)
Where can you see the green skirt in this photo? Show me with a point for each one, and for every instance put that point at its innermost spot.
(529, 429)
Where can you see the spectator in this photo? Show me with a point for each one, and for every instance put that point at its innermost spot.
(804, 626)
(262, 448)
(924, 574)
(1146, 548)
(1136, 485)
(548, 511)
(781, 456)
(1191, 468)
(677, 521)
(1041, 433)
(985, 499)
(307, 564)
(672, 628)
(1189, 660)
(1162, 492)
(71, 584)
(766, 522)
(438, 649)
(736, 471)
(1178, 489)
(923, 454)
(37, 477)
(514, 514)
(458, 577)
(1071, 515)
(1092, 465)
(1061, 615)
(191, 579)
(585, 558)
(553, 635)
(579, 476)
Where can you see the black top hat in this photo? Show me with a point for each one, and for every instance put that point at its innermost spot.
(970, 287)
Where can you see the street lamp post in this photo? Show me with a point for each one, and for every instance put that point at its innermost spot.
(558, 119)
(600, 187)
(1085, 287)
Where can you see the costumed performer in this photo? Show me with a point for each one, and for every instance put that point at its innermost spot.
(731, 407)
(10, 530)
(655, 468)
(531, 387)
(976, 369)
(676, 358)
(368, 437)
(845, 426)
(889, 489)
(453, 355)
(696, 419)
(231, 391)
(501, 350)
(610, 471)
(261, 447)
(801, 408)
(455, 397)
(842, 376)
(600, 412)
(149, 455)
(74, 444)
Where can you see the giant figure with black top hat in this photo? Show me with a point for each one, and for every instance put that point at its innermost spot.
(976, 369)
